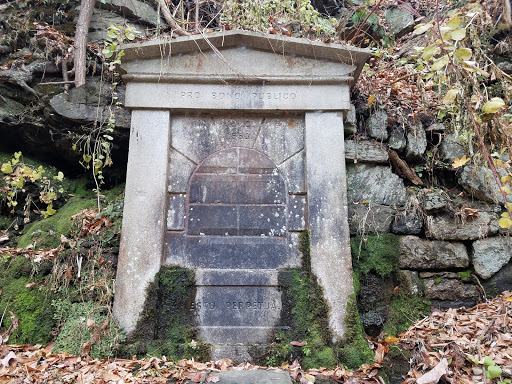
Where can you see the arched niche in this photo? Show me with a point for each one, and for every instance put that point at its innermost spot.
(236, 212)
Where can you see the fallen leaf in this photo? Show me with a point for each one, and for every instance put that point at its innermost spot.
(68, 272)
(6, 361)
(435, 373)
(298, 343)
(460, 162)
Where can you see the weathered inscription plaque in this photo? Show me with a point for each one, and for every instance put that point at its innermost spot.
(232, 154)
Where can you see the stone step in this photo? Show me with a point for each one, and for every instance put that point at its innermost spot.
(257, 376)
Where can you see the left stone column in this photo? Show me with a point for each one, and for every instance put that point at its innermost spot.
(142, 237)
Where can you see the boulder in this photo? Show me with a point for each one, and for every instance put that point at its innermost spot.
(447, 227)
(374, 183)
(434, 202)
(500, 281)
(479, 181)
(369, 218)
(400, 19)
(373, 302)
(451, 147)
(416, 253)
(397, 140)
(416, 142)
(136, 9)
(91, 103)
(407, 223)
(490, 255)
(445, 288)
(366, 151)
(377, 125)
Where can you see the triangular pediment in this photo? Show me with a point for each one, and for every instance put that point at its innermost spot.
(244, 55)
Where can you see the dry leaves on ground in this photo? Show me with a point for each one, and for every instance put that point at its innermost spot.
(463, 337)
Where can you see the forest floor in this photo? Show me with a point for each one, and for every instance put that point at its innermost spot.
(455, 346)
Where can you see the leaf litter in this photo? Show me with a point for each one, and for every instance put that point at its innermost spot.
(447, 346)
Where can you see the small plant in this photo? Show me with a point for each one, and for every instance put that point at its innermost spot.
(274, 15)
(22, 182)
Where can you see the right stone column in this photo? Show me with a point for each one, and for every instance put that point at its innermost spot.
(331, 260)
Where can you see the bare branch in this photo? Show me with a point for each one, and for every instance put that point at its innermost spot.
(168, 17)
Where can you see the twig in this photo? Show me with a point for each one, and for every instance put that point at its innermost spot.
(57, 82)
(168, 18)
(364, 21)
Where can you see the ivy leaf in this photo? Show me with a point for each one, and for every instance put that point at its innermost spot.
(6, 167)
(440, 64)
(493, 105)
(493, 371)
(460, 162)
(463, 54)
(450, 96)
(458, 34)
(59, 176)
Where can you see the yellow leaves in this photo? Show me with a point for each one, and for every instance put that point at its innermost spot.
(450, 96)
(493, 105)
(506, 190)
(458, 34)
(460, 162)
(463, 54)
(6, 167)
(430, 51)
(505, 223)
(59, 176)
(49, 211)
(454, 23)
(506, 179)
(391, 339)
(440, 63)
(422, 28)
(371, 99)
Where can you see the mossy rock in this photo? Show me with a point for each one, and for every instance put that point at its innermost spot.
(82, 321)
(49, 230)
(378, 253)
(29, 302)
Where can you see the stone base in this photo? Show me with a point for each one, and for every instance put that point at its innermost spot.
(256, 376)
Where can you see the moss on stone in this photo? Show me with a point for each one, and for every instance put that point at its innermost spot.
(48, 230)
(31, 305)
(83, 320)
(309, 318)
(378, 253)
(166, 327)
(404, 310)
(355, 350)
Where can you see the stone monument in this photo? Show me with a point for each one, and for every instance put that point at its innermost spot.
(236, 147)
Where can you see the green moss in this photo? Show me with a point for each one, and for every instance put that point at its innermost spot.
(437, 281)
(466, 276)
(309, 318)
(378, 253)
(48, 230)
(355, 350)
(82, 321)
(404, 310)
(166, 327)
(30, 305)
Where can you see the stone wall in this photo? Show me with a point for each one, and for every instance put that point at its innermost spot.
(452, 251)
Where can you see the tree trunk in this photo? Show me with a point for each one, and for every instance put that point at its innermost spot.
(82, 31)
